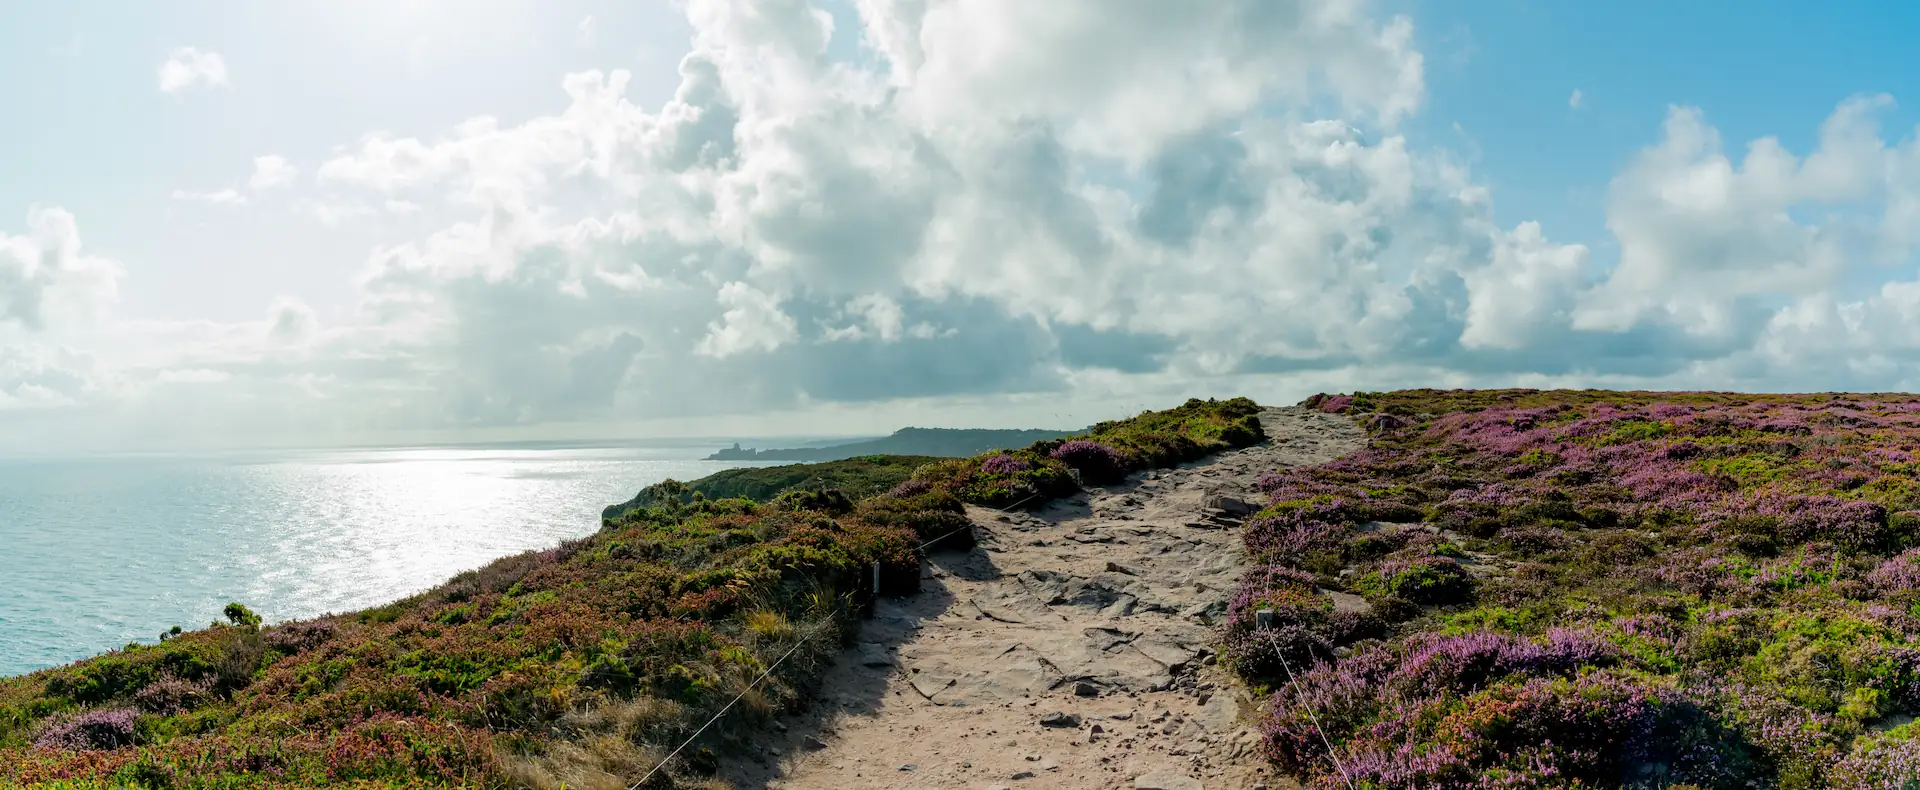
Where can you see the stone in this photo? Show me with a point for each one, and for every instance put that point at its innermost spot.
(1022, 775)
(1058, 719)
(1118, 568)
(873, 654)
(1085, 689)
(1221, 714)
(813, 743)
(1231, 506)
(909, 767)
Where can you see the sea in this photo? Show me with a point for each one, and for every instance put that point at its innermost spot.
(99, 552)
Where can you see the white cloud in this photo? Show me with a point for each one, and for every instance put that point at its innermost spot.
(187, 67)
(46, 280)
(1013, 201)
(1714, 248)
(1574, 100)
(272, 172)
(587, 30)
(753, 322)
(218, 197)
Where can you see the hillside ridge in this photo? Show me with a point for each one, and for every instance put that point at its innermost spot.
(944, 442)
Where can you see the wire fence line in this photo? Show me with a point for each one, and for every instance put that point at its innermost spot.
(790, 651)
(729, 706)
(1265, 619)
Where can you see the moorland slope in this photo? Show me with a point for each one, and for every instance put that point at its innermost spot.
(577, 666)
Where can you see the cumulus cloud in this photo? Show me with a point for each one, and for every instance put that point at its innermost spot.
(1573, 101)
(45, 279)
(188, 67)
(272, 172)
(1021, 201)
(1716, 249)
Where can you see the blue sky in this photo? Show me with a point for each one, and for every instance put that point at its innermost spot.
(915, 214)
(1505, 70)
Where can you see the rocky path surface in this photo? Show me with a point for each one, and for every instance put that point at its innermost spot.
(1071, 649)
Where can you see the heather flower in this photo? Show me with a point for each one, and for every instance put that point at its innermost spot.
(1435, 664)
(1897, 576)
(172, 695)
(1097, 463)
(1293, 536)
(1852, 523)
(95, 729)
(910, 489)
(1879, 763)
(1004, 465)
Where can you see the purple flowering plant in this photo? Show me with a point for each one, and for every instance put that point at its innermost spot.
(1715, 589)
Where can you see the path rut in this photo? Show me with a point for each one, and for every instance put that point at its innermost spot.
(1073, 648)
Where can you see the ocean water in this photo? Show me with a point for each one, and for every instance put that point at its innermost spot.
(96, 553)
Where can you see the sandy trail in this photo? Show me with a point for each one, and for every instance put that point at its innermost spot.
(1071, 649)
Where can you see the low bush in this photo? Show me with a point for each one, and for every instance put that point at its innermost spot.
(1703, 590)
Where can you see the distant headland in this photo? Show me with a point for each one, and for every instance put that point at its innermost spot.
(944, 442)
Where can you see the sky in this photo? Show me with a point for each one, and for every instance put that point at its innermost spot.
(237, 224)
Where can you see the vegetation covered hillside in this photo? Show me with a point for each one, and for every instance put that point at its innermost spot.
(576, 666)
(1596, 589)
(856, 477)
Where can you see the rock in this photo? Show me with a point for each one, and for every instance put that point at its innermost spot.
(1382, 423)
(1166, 780)
(1221, 714)
(813, 743)
(1229, 505)
(1118, 568)
(1085, 689)
(1022, 775)
(909, 767)
(1058, 719)
(873, 654)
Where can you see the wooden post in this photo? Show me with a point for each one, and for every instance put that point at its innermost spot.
(874, 608)
(1263, 619)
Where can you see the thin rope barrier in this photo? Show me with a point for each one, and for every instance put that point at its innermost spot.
(1311, 716)
(723, 711)
(923, 546)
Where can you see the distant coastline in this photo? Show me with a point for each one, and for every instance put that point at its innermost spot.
(944, 442)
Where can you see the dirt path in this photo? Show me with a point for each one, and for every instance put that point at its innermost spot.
(1072, 649)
